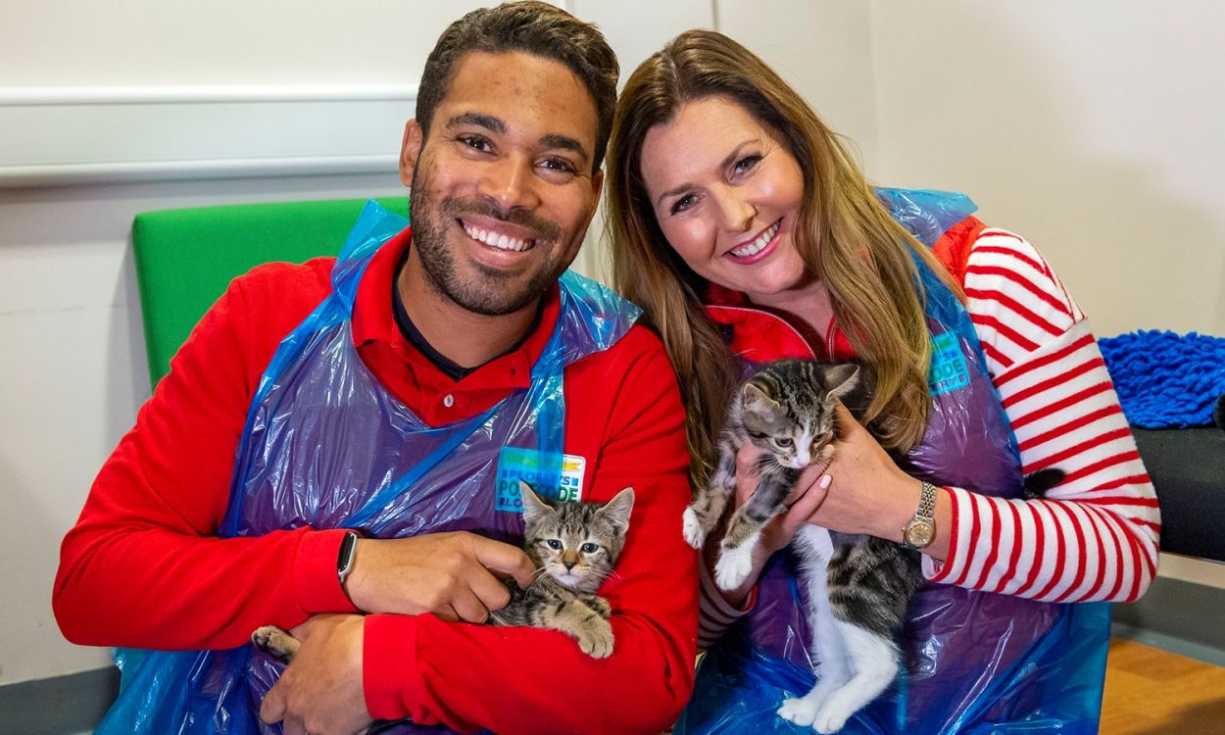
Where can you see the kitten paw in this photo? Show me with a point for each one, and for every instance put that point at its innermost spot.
(599, 605)
(695, 535)
(275, 641)
(832, 716)
(596, 639)
(801, 711)
(734, 566)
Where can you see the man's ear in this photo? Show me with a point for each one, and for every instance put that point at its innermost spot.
(410, 150)
(597, 184)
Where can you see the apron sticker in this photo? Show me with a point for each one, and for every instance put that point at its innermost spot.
(949, 370)
(541, 471)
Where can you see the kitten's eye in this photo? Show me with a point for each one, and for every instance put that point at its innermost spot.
(589, 548)
(784, 441)
(554, 544)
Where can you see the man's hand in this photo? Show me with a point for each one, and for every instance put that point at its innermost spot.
(321, 692)
(448, 574)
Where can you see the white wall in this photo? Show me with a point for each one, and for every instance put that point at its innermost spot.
(1093, 128)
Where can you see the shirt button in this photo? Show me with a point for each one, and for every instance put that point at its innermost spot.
(448, 400)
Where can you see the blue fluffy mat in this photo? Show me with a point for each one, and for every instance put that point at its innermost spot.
(1166, 380)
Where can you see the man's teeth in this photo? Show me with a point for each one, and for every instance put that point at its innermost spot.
(759, 244)
(493, 239)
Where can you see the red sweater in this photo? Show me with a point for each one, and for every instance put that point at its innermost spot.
(143, 566)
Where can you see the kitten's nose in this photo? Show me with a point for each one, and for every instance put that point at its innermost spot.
(569, 559)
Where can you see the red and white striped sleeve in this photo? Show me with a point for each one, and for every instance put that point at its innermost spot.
(1095, 536)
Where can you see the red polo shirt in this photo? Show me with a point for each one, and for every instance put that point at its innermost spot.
(143, 566)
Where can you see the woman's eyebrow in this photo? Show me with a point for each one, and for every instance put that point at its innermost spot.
(727, 161)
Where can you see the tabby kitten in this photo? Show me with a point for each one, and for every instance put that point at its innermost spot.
(857, 602)
(574, 547)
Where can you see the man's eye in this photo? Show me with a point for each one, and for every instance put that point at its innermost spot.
(685, 202)
(589, 548)
(560, 165)
(554, 544)
(476, 143)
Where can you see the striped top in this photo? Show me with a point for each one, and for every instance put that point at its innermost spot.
(1095, 536)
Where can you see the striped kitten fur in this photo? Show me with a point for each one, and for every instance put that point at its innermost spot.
(787, 410)
(574, 547)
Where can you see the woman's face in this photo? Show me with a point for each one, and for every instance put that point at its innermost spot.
(727, 192)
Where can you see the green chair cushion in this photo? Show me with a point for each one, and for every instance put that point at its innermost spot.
(185, 258)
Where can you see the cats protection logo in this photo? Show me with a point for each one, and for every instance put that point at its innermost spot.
(554, 477)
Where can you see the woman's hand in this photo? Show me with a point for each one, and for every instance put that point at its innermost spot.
(803, 501)
(865, 492)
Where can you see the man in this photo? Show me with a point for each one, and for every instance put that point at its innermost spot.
(450, 320)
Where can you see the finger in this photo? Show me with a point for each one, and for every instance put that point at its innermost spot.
(447, 613)
(468, 607)
(293, 726)
(746, 461)
(490, 590)
(503, 558)
(844, 421)
(272, 709)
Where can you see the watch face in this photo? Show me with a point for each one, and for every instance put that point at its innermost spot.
(920, 533)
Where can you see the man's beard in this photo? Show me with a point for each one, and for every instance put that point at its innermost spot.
(492, 292)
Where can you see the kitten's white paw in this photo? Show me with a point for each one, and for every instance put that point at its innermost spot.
(799, 710)
(695, 535)
(833, 715)
(734, 566)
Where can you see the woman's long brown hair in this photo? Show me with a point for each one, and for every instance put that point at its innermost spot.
(845, 237)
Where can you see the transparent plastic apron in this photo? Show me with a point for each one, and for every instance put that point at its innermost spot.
(326, 445)
(977, 662)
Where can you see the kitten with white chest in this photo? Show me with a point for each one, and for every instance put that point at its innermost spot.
(787, 410)
(574, 547)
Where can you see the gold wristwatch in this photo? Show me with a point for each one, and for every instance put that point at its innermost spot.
(920, 531)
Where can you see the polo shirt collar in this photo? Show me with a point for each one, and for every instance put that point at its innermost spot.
(374, 326)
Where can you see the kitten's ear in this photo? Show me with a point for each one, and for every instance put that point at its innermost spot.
(840, 379)
(617, 511)
(533, 507)
(755, 399)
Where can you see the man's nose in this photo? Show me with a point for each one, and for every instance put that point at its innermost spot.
(508, 183)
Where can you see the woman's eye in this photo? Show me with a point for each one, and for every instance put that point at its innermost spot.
(589, 548)
(783, 441)
(554, 544)
(746, 163)
(685, 202)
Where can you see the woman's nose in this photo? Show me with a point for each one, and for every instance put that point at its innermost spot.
(736, 212)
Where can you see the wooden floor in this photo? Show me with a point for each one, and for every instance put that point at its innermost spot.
(1153, 692)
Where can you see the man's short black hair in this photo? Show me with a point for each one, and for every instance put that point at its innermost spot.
(535, 28)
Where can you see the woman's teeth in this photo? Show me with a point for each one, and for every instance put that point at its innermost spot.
(758, 244)
(494, 240)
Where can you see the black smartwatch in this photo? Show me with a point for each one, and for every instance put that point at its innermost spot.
(346, 557)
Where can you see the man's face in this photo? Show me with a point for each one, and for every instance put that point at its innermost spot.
(502, 189)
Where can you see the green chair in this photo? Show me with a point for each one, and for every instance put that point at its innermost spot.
(185, 258)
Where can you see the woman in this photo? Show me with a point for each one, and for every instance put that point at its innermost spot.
(748, 234)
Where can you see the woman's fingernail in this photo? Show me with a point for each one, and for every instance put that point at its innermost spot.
(824, 482)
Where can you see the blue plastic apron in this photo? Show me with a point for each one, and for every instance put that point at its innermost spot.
(977, 662)
(326, 445)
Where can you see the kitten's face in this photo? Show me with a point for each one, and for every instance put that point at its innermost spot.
(577, 544)
(793, 434)
(788, 409)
